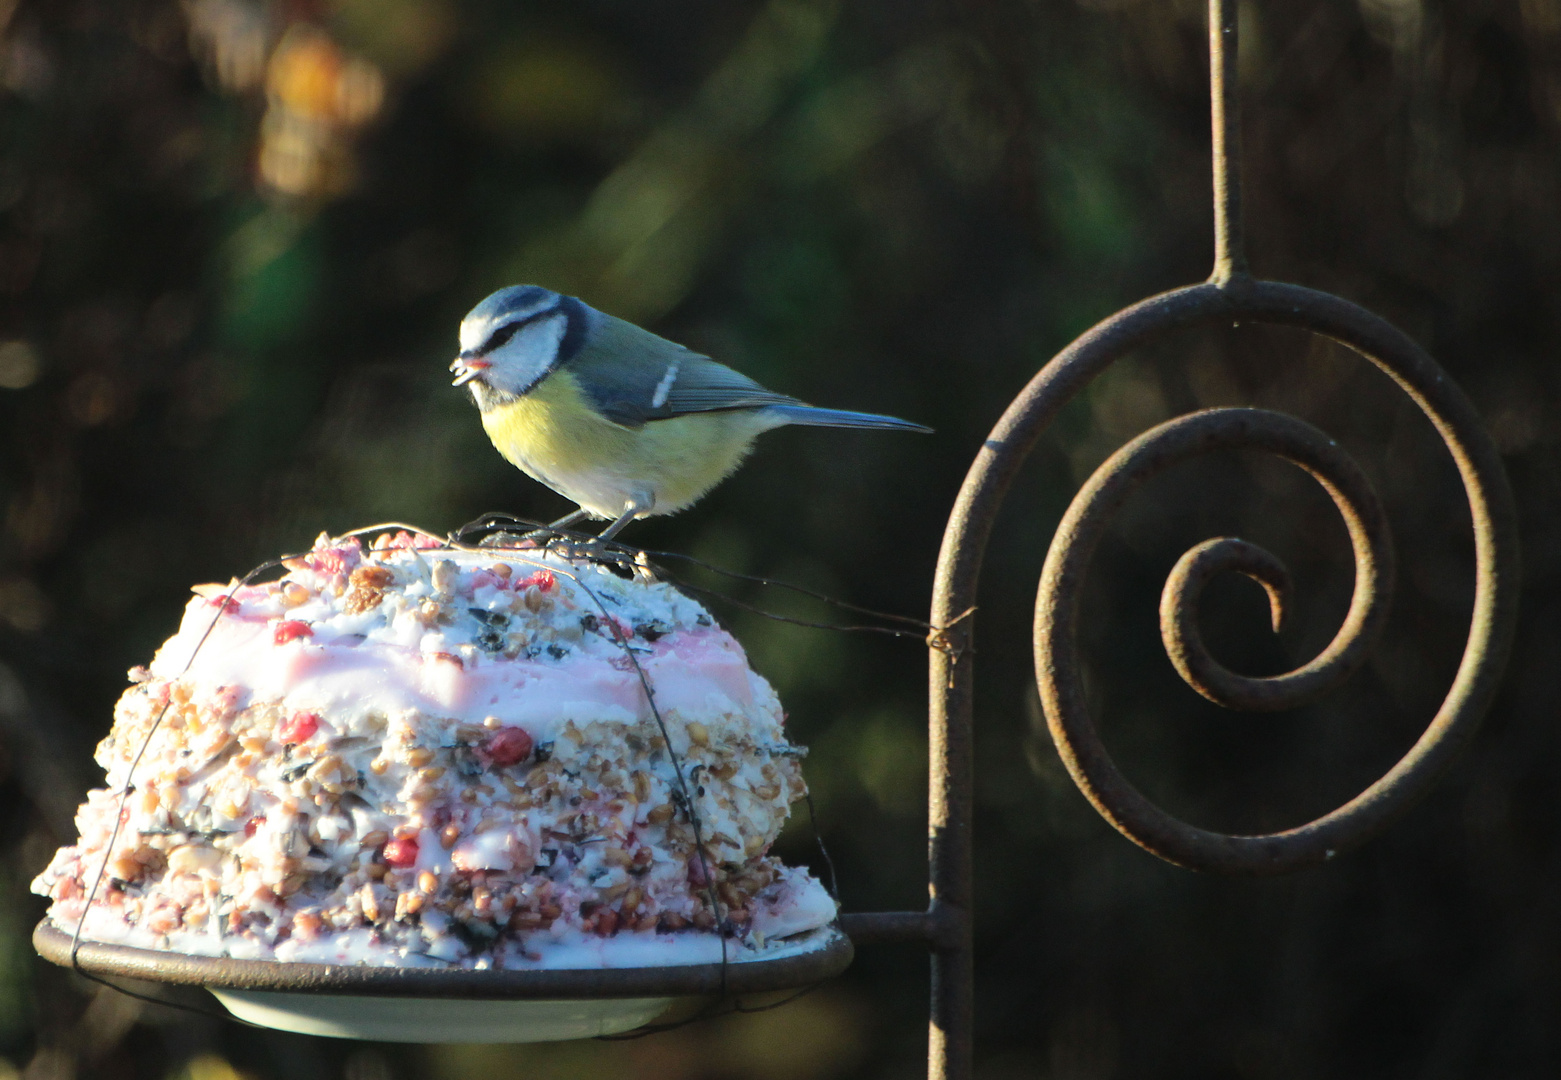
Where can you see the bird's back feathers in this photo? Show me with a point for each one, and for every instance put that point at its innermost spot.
(633, 377)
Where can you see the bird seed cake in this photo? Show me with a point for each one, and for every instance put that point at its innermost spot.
(410, 755)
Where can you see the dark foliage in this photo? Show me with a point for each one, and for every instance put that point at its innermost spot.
(233, 252)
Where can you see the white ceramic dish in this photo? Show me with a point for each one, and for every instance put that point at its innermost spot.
(440, 1020)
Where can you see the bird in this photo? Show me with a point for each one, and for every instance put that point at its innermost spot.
(621, 422)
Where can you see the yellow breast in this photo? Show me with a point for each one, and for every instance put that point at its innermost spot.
(553, 435)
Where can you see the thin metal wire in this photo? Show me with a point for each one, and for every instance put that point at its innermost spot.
(496, 520)
(119, 819)
(690, 807)
(168, 1003)
(124, 795)
(685, 794)
(754, 579)
(818, 837)
(713, 1010)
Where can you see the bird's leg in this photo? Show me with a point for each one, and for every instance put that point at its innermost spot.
(617, 526)
(562, 523)
(570, 518)
(598, 547)
(636, 506)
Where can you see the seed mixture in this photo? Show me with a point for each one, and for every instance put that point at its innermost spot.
(411, 755)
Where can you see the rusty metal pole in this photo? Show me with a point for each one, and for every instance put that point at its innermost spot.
(950, 734)
(1230, 248)
(950, 793)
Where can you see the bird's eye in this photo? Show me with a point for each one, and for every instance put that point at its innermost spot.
(509, 330)
(501, 335)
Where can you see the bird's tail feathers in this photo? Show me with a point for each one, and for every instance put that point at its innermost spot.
(810, 416)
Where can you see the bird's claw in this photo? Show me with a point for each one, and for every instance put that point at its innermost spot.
(628, 561)
(592, 549)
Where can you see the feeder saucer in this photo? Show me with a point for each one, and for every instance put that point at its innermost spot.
(392, 1004)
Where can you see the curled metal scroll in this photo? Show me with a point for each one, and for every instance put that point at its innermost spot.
(1176, 441)
(1231, 294)
(1056, 660)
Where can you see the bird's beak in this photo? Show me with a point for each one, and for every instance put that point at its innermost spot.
(467, 368)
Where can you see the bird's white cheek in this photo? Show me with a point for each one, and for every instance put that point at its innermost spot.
(528, 355)
(474, 333)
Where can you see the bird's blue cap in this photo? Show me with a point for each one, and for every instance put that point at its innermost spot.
(505, 306)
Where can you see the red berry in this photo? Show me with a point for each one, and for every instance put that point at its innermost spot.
(401, 853)
(253, 824)
(299, 727)
(292, 628)
(405, 539)
(331, 561)
(542, 580)
(508, 746)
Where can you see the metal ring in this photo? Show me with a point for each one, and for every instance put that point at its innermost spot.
(1496, 577)
(757, 975)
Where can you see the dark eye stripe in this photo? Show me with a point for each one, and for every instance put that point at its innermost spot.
(502, 334)
(508, 330)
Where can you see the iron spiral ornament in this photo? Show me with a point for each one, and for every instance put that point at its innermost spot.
(1056, 650)
(1230, 295)
(1178, 440)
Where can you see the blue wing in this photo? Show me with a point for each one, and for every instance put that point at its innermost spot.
(634, 377)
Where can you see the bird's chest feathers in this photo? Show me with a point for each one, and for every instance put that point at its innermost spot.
(554, 435)
(552, 432)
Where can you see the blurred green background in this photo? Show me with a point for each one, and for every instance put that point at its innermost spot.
(236, 237)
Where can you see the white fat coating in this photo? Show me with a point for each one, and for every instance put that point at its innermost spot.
(387, 659)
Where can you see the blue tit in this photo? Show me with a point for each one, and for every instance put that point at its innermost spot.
(612, 417)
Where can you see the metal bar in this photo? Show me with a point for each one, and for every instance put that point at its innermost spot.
(872, 927)
(1203, 432)
(951, 777)
(1230, 248)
